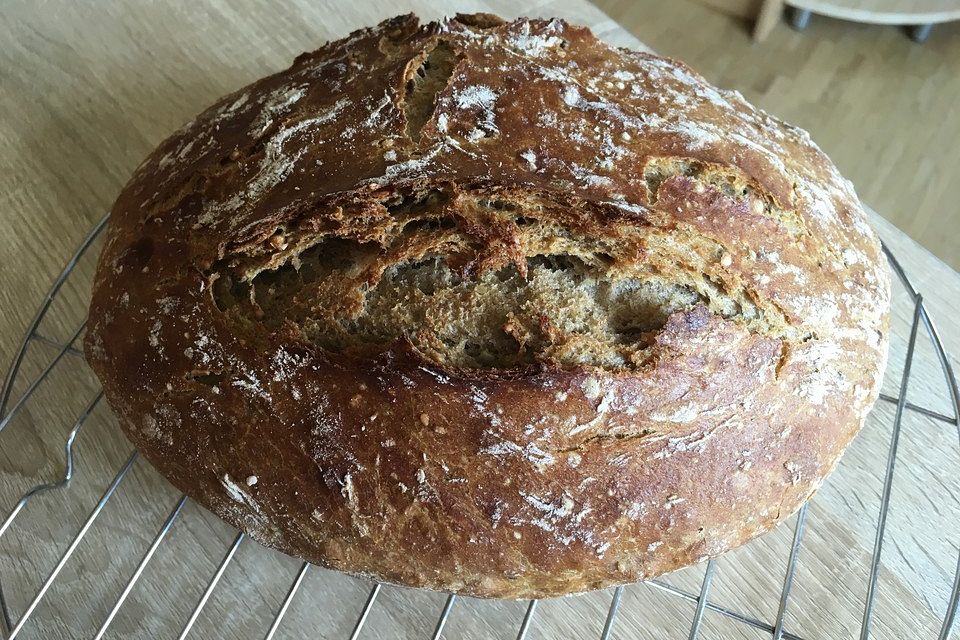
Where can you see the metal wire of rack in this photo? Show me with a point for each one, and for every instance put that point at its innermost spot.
(11, 629)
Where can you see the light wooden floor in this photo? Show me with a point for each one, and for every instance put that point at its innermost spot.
(885, 109)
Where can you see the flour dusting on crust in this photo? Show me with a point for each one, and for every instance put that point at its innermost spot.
(491, 307)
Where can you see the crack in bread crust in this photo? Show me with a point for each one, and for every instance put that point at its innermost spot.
(490, 307)
(431, 275)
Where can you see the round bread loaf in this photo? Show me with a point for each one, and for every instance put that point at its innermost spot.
(490, 307)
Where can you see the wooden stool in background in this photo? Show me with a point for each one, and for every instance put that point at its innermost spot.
(918, 15)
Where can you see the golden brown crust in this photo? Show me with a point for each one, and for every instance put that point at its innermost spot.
(550, 478)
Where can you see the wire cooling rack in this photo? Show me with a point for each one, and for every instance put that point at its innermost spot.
(62, 357)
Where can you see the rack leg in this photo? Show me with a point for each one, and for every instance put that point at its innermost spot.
(73, 545)
(161, 534)
(791, 569)
(919, 33)
(612, 613)
(799, 19)
(286, 601)
(366, 611)
(211, 586)
(527, 620)
(888, 477)
(702, 600)
(444, 615)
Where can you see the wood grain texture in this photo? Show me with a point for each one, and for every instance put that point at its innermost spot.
(86, 90)
(882, 107)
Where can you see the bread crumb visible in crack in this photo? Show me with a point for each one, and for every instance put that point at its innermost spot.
(551, 295)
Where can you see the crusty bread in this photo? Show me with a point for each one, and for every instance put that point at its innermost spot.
(492, 308)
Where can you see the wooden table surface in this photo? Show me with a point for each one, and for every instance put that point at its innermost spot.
(86, 90)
